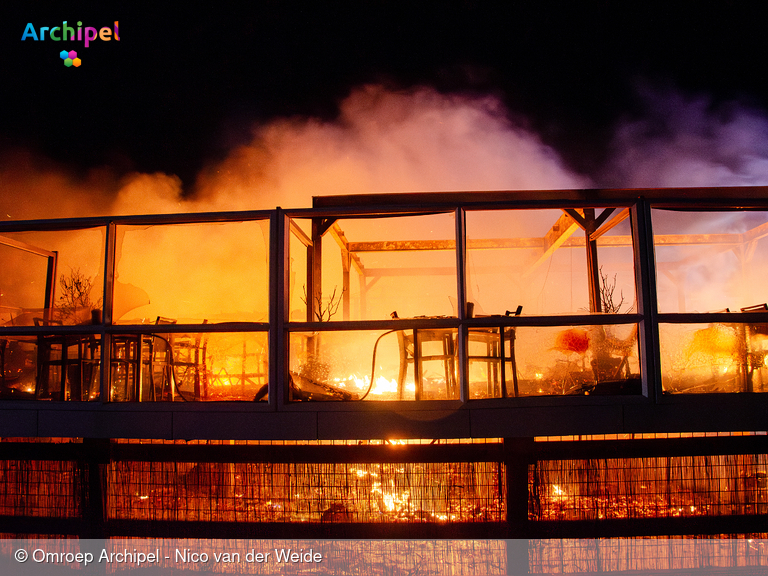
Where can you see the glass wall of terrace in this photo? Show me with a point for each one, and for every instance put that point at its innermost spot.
(478, 299)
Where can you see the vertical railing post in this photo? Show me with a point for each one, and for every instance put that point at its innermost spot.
(518, 453)
(461, 298)
(278, 307)
(93, 502)
(647, 305)
(107, 307)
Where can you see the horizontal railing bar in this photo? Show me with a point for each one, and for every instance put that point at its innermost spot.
(133, 220)
(223, 453)
(480, 322)
(736, 317)
(304, 530)
(133, 329)
(629, 527)
(650, 448)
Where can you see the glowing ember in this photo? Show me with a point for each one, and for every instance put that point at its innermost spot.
(380, 387)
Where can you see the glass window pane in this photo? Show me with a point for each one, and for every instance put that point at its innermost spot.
(374, 365)
(195, 367)
(537, 259)
(194, 273)
(50, 367)
(711, 358)
(373, 267)
(77, 287)
(710, 261)
(555, 361)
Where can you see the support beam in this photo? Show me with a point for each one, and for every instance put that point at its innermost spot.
(557, 235)
(338, 234)
(299, 233)
(593, 267)
(756, 233)
(613, 222)
(18, 244)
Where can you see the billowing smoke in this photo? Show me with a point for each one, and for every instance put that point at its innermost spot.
(684, 141)
(382, 141)
(385, 141)
(419, 140)
(34, 187)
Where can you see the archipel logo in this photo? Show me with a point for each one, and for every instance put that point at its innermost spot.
(70, 58)
(67, 34)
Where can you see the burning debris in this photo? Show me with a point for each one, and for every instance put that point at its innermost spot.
(263, 492)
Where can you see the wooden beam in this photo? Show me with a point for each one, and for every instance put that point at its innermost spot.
(578, 217)
(472, 244)
(325, 224)
(604, 215)
(756, 233)
(18, 244)
(529, 243)
(338, 234)
(557, 235)
(615, 221)
(402, 245)
(694, 239)
(593, 267)
(299, 233)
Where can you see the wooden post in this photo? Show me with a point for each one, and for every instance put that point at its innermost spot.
(314, 296)
(92, 495)
(593, 268)
(518, 453)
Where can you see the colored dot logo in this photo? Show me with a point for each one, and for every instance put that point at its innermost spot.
(70, 58)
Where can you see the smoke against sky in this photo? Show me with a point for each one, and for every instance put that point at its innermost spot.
(688, 141)
(406, 141)
(387, 141)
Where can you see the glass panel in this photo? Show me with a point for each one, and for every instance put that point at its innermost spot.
(192, 273)
(77, 286)
(701, 358)
(22, 285)
(18, 367)
(374, 267)
(583, 360)
(189, 367)
(50, 367)
(537, 259)
(710, 261)
(297, 280)
(338, 365)
(547, 361)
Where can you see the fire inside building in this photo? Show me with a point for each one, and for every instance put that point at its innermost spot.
(577, 363)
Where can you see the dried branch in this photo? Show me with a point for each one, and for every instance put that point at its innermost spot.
(607, 290)
(323, 313)
(75, 295)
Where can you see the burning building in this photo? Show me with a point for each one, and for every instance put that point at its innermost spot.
(497, 364)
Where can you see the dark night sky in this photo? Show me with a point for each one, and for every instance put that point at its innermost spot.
(188, 80)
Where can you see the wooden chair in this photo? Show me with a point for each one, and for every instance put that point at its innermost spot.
(499, 344)
(412, 344)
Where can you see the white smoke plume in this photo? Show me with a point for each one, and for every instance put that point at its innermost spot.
(410, 141)
(685, 141)
(382, 141)
(387, 141)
